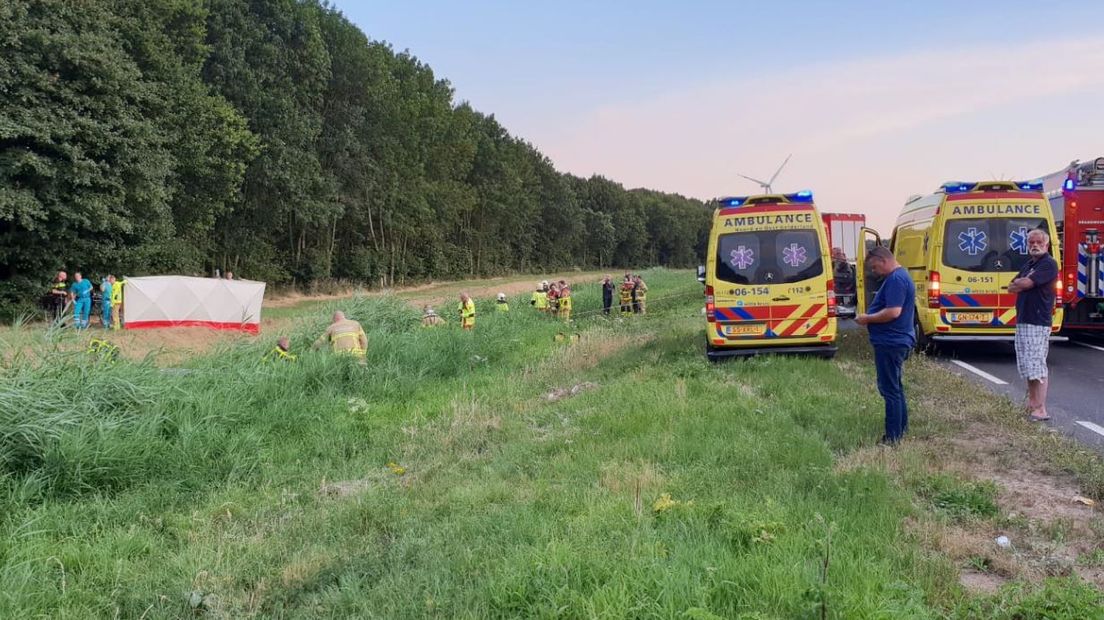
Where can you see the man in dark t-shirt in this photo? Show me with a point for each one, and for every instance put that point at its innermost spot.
(1035, 295)
(890, 319)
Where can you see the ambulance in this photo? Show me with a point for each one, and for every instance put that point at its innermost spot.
(768, 278)
(963, 245)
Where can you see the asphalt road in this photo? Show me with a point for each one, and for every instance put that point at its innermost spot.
(1076, 397)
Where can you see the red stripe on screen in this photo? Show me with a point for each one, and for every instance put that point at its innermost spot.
(252, 328)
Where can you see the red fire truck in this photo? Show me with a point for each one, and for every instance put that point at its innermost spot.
(1076, 196)
(844, 232)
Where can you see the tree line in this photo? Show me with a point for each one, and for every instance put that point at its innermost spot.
(275, 139)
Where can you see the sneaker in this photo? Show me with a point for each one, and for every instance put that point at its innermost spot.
(889, 443)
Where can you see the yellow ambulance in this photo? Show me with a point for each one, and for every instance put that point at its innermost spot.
(963, 245)
(768, 278)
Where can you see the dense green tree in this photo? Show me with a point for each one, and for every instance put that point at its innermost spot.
(276, 139)
(85, 171)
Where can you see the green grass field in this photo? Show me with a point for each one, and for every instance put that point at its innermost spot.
(497, 474)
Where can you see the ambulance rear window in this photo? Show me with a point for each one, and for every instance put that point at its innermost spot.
(989, 244)
(769, 257)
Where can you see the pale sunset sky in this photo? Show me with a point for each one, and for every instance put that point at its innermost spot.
(875, 100)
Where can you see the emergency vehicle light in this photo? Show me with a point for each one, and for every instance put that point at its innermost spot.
(957, 187)
(1069, 185)
(1030, 186)
(804, 196)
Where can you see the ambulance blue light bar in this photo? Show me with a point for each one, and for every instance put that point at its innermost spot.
(804, 196)
(958, 187)
(1069, 185)
(1030, 186)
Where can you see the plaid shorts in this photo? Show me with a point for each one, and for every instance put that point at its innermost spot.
(1032, 345)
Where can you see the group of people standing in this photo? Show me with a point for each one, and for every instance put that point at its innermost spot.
(553, 298)
(80, 293)
(632, 294)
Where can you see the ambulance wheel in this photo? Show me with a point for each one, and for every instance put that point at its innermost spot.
(924, 343)
(709, 352)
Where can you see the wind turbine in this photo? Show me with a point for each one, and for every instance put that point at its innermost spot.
(766, 185)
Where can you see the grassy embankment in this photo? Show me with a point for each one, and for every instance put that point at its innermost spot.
(498, 473)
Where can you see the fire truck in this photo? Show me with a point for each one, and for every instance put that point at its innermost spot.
(1076, 196)
(844, 232)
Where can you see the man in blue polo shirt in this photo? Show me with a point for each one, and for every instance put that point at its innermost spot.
(889, 320)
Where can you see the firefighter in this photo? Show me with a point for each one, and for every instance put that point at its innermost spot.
(553, 299)
(430, 318)
(500, 303)
(345, 336)
(467, 311)
(640, 295)
(116, 301)
(565, 301)
(281, 352)
(81, 294)
(843, 274)
(540, 297)
(626, 297)
(58, 295)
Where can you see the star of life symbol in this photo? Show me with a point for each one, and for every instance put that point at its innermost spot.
(742, 257)
(973, 241)
(1017, 240)
(794, 255)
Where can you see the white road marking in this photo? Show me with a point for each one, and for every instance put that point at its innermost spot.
(1091, 346)
(979, 372)
(1092, 427)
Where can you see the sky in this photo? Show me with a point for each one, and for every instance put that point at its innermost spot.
(875, 101)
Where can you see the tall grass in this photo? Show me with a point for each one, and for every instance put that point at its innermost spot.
(72, 424)
(455, 475)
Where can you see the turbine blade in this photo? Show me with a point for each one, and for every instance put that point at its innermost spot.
(776, 172)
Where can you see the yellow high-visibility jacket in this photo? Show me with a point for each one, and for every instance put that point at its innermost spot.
(345, 337)
(467, 314)
(117, 292)
(540, 300)
(278, 354)
(565, 306)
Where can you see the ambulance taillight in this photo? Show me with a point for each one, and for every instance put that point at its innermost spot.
(710, 307)
(831, 297)
(933, 289)
(1058, 292)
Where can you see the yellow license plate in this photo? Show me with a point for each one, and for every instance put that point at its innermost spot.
(970, 317)
(749, 329)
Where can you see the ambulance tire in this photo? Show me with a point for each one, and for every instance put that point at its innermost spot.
(708, 353)
(924, 343)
